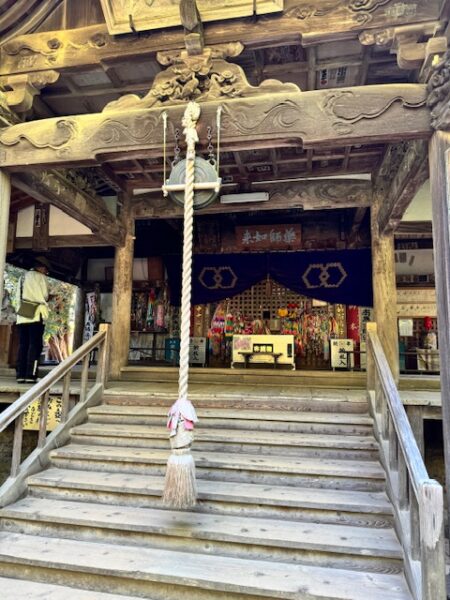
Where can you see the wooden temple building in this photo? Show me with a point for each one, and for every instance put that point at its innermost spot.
(328, 123)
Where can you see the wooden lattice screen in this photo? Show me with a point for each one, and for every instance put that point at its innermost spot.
(266, 296)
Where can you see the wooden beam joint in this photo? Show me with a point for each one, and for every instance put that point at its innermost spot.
(59, 189)
(403, 171)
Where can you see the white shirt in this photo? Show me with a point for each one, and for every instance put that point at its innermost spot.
(35, 289)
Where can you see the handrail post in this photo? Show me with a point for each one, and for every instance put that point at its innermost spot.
(43, 419)
(103, 356)
(65, 396)
(84, 378)
(431, 504)
(371, 328)
(17, 445)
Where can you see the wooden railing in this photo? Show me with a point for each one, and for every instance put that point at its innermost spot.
(417, 499)
(41, 392)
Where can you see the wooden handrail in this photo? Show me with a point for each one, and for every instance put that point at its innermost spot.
(417, 499)
(41, 387)
(413, 458)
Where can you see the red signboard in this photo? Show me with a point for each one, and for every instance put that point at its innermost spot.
(269, 237)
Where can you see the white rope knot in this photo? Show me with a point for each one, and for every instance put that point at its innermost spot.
(181, 451)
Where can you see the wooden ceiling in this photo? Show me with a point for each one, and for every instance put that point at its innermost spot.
(252, 166)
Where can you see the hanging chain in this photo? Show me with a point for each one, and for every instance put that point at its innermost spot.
(218, 125)
(164, 148)
(210, 147)
(177, 149)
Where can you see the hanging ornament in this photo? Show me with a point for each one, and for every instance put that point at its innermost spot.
(206, 172)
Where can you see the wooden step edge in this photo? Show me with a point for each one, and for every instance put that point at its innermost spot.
(323, 538)
(201, 572)
(322, 418)
(225, 491)
(366, 469)
(18, 589)
(300, 440)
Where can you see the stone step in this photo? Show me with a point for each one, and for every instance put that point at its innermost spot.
(300, 422)
(370, 509)
(159, 573)
(231, 440)
(270, 402)
(343, 474)
(17, 589)
(343, 546)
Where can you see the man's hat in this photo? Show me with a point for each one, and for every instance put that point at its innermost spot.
(41, 260)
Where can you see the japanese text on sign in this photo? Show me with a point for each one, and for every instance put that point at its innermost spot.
(269, 236)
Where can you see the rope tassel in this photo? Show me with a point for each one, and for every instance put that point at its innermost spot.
(180, 490)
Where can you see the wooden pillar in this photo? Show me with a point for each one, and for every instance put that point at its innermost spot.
(80, 315)
(5, 201)
(439, 157)
(384, 288)
(121, 301)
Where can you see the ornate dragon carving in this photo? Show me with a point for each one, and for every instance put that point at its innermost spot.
(199, 77)
(439, 94)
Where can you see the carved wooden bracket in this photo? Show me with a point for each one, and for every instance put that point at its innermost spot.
(19, 90)
(204, 77)
(406, 42)
(439, 94)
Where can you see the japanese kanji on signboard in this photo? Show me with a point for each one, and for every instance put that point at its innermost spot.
(269, 237)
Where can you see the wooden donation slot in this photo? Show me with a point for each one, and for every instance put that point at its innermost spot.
(272, 350)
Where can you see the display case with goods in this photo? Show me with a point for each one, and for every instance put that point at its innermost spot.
(149, 322)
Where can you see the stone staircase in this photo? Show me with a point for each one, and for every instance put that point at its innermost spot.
(291, 505)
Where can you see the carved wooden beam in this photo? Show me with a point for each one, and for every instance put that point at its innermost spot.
(403, 171)
(307, 195)
(360, 115)
(306, 22)
(84, 206)
(63, 241)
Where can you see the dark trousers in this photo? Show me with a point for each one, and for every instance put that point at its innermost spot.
(30, 347)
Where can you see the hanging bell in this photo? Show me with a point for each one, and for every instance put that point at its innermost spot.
(205, 172)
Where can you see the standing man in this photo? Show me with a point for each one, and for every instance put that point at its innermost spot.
(33, 287)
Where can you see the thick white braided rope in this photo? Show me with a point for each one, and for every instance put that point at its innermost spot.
(191, 116)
